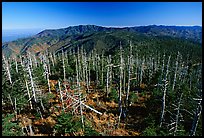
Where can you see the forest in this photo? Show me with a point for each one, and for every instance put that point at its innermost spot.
(134, 89)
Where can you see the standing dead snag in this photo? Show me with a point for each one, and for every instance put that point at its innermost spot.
(178, 117)
(120, 91)
(196, 116)
(164, 93)
(102, 64)
(61, 95)
(142, 70)
(85, 63)
(7, 68)
(31, 80)
(163, 63)
(16, 64)
(45, 66)
(129, 74)
(81, 112)
(174, 82)
(108, 76)
(63, 64)
(31, 106)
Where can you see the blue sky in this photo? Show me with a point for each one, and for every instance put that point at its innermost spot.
(53, 15)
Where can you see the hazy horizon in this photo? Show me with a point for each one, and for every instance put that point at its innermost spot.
(30, 29)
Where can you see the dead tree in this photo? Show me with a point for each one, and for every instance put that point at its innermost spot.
(7, 68)
(163, 63)
(142, 70)
(16, 64)
(89, 70)
(46, 73)
(120, 90)
(102, 64)
(29, 96)
(164, 93)
(52, 59)
(196, 117)
(174, 82)
(63, 64)
(108, 74)
(31, 80)
(61, 95)
(79, 65)
(81, 112)
(130, 65)
(35, 60)
(85, 62)
(178, 117)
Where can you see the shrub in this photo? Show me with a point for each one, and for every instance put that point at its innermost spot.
(133, 97)
(67, 123)
(10, 128)
(113, 95)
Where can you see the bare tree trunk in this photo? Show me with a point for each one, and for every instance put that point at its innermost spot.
(31, 106)
(174, 82)
(142, 70)
(16, 65)
(96, 69)
(52, 60)
(164, 93)
(77, 72)
(83, 65)
(86, 72)
(63, 66)
(129, 73)
(79, 65)
(102, 68)
(45, 66)
(196, 117)
(31, 81)
(163, 64)
(61, 95)
(35, 60)
(81, 112)
(7, 69)
(136, 70)
(129, 77)
(107, 78)
(177, 115)
(120, 91)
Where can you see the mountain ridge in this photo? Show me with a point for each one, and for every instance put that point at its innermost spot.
(49, 37)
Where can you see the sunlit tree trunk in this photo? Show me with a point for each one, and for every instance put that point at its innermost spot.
(174, 82)
(7, 69)
(45, 65)
(63, 64)
(31, 80)
(164, 93)
(196, 118)
(16, 63)
(61, 95)
(120, 90)
(130, 65)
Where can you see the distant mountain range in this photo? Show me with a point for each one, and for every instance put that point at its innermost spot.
(14, 34)
(102, 38)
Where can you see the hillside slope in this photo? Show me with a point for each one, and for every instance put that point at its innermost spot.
(96, 36)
